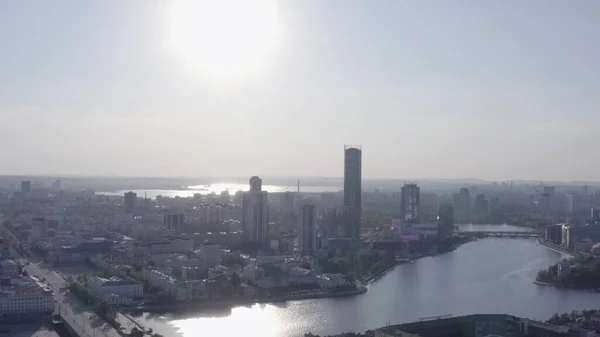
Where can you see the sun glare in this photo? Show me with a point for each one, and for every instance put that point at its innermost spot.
(224, 38)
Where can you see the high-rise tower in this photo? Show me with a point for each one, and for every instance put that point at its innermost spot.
(352, 190)
(307, 229)
(409, 203)
(255, 220)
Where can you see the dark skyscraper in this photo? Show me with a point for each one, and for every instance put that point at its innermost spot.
(307, 229)
(445, 220)
(409, 203)
(26, 186)
(130, 201)
(352, 190)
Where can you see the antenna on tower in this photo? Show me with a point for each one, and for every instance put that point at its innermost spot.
(298, 185)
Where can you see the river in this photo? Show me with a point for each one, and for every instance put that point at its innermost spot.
(492, 275)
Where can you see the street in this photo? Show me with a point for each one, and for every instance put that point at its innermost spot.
(79, 315)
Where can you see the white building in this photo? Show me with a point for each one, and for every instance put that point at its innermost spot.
(24, 296)
(307, 229)
(564, 268)
(158, 278)
(116, 290)
(179, 290)
(255, 213)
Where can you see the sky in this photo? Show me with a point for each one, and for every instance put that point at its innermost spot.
(494, 90)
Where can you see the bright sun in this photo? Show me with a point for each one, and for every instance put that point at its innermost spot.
(224, 38)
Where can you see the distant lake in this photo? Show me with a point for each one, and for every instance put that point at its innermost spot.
(220, 187)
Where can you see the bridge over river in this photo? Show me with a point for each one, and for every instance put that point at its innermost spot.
(510, 234)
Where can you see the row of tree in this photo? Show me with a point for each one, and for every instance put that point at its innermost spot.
(358, 267)
(564, 318)
(581, 276)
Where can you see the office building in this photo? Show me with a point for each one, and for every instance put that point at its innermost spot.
(287, 201)
(409, 203)
(330, 223)
(20, 296)
(462, 204)
(549, 190)
(481, 206)
(445, 220)
(25, 187)
(56, 186)
(211, 214)
(567, 237)
(255, 214)
(174, 222)
(352, 191)
(307, 229)
(115, 290)
(554, 234)
(130, 201)
(212, 254)
(39, 228)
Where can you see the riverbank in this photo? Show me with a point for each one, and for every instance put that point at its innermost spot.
(233, 302)
(374, 277)
(555, 247)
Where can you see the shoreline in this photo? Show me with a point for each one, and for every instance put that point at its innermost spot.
(232, 302)
(554, 248)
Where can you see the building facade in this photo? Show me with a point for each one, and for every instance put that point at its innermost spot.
(307, 229)
(130, 201)
(445, 220)
(116, 290)
(410, 203)
(24, 296)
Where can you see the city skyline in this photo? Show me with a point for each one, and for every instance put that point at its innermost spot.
(496, 91)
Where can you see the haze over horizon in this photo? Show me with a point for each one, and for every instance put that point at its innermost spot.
(463, 90)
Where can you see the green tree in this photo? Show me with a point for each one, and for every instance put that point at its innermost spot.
(135, 332)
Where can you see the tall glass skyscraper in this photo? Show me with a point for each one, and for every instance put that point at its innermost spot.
(255, 209)
(352, 191)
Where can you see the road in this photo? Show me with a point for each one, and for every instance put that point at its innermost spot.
(79, 315)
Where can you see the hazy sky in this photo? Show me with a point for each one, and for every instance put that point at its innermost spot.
(431, 89)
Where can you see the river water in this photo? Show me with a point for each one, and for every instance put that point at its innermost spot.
(492, 275)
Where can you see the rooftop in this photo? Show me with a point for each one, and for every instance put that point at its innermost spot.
(116, 281)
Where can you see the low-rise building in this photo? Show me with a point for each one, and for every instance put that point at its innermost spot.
(25, 295)
(473, 326)
(178, 290)
(564, 268)
(116, 290)
(169, 245)
(9, 267)
(212, 254)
